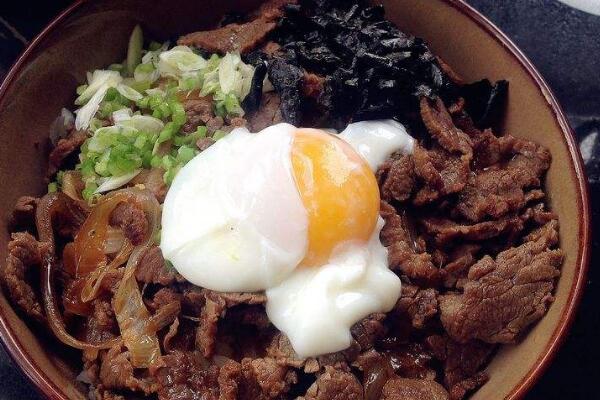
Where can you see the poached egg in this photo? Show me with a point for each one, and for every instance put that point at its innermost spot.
(293, 212)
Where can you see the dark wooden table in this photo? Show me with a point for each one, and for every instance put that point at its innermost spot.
(565, 46)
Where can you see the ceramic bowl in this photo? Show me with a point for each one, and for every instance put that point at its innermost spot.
(90, 35)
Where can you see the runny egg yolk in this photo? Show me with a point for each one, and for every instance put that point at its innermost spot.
(338, 190)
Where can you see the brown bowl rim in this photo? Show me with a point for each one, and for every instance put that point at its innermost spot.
(48, 388)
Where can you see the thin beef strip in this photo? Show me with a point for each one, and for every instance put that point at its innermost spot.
(63, 149)
(439, 123)
(267, 114)
(413, 389)
(186, 375)
(458, 262)
(130, 217)
(463, 363)
(233, 37)
(367, 331)
(419, 305)
(153, 269)
(504, 296)
(24, 252)
(152, 179)
(265, 379)
(239, 37)
(396, 178)
(198, 110)
(101, 324)
(23, 214)
(335, 384)
(447, 232)
(501, 189)
(215, 305)
(403, 254)
(116, 372)
(445, 167)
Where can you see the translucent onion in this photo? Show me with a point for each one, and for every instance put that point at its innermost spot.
(135, 322)
(114, 240)
(94, 280)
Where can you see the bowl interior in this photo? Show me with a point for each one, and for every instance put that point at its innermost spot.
(95, 34)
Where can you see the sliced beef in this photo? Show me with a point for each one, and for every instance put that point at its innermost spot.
(215, 304)
(419, 305)
(397, 178)
(439, 123)
(117, 372)
(488, 149)
(204, 143)
(463, 363)
(281, 350)
(207, 330)
(411, 360)
(24, 253)
(130, 217)
(264, 378)
(100, 325)
(63, 149)
(403, 254)
(272, 10)
(267, 114)
(367, 331)
(458, 262)
(413, 389)
(503, 296)
(444, 168)
(198, 110)
(152, 179)
(230, 375)
(152, 268)
(501, 189)
(186, 375)
(233, 37)
(440, 172)
(334, 384)
(23, 214)
(447, 232)
(312, 85)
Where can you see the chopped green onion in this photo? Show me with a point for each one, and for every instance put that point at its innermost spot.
(134, 50)
(80, 89)
(154, 46)
(219, 134)
(116, 67)
(52, 187)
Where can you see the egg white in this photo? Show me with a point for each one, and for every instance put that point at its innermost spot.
(316, 307)
(233, 219)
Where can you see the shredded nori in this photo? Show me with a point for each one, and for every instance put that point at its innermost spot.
(485, 102)
(372, 69)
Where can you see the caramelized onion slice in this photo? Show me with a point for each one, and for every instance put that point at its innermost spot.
(135, 321)
(55, 320)
(60, 207)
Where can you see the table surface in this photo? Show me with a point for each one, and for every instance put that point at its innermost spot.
(563, 43)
